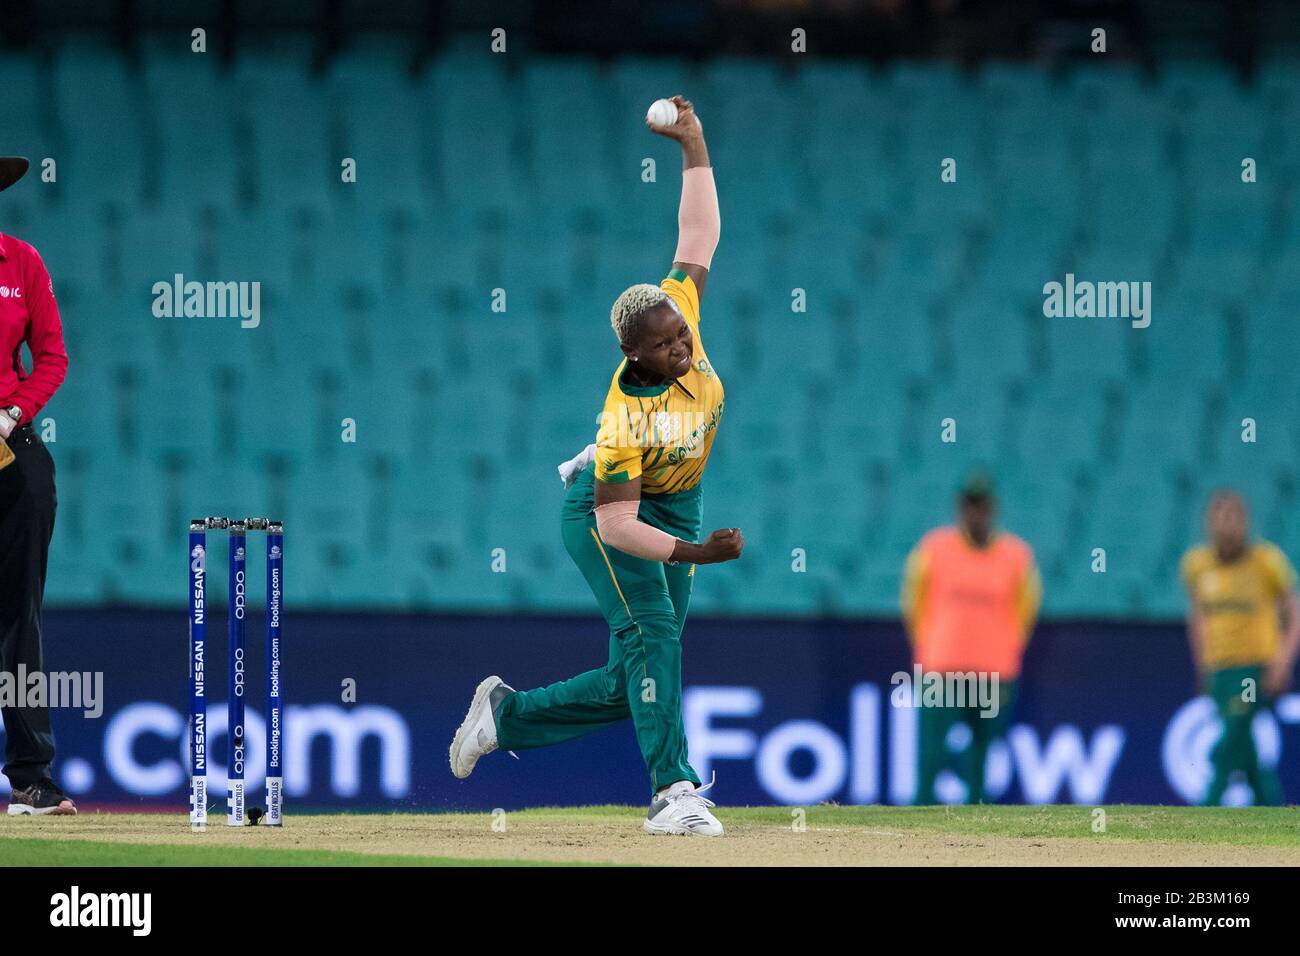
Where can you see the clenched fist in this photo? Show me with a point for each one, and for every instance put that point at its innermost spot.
(725, 544)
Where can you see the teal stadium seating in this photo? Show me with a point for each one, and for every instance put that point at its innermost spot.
(924, 303)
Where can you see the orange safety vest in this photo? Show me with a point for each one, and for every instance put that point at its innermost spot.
(971, 607)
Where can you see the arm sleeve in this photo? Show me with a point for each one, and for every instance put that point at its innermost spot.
(44, 338)
(699, 221)
(617, 525)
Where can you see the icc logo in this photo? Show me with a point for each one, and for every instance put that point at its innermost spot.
(239, 554)
(199, 558)
(275, 551)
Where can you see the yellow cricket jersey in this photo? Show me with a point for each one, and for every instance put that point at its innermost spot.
(1238, 602)
(662, 433)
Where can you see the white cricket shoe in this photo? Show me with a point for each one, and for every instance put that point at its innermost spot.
(681, 811)
(477, 735)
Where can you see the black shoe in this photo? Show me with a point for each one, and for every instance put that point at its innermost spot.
(41, 799)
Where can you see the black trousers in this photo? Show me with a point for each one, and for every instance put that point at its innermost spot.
(27, 505)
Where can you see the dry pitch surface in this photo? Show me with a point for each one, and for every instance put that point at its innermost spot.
(756, 836)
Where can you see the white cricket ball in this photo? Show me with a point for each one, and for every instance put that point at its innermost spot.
(662, 113)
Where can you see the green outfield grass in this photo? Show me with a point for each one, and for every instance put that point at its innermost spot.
(29, 852)
(611, 834)
(1240, 826)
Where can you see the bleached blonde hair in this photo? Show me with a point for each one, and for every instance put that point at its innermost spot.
(636, 301)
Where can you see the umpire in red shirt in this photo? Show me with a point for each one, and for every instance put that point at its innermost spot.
(28, 315)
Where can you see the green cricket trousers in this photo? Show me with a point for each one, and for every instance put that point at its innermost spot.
(1235, 749)
(934, 756)
(645, 604)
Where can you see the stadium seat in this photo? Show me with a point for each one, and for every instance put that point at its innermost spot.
(924, 300)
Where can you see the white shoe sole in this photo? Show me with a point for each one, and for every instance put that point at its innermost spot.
(673, 829)
(23, 810)
(481, 694)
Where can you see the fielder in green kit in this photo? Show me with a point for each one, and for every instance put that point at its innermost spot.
(631, 519)
(1243, 625)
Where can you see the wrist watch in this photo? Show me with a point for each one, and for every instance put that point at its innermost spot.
(14, 412)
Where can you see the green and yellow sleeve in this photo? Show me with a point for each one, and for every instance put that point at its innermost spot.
(681, 289)
(616, 462)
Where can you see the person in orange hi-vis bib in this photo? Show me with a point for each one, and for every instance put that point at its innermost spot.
(970, 597)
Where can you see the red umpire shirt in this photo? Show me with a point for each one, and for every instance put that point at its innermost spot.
(28, 313)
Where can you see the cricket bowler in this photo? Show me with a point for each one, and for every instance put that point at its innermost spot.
(631, 520)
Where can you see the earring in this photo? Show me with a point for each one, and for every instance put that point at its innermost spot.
(633, 358)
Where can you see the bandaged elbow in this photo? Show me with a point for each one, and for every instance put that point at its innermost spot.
(618, 527)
